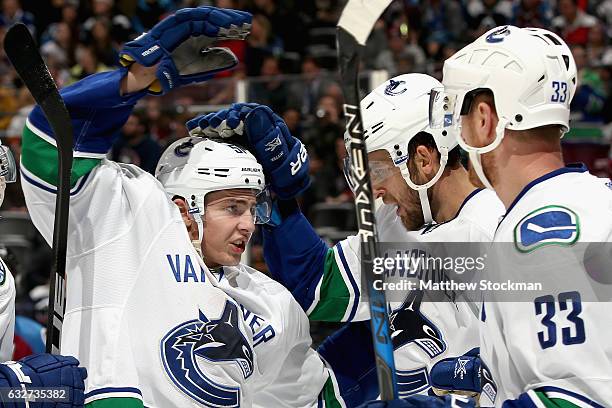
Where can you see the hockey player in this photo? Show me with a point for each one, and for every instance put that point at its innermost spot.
(509, 92)
(39, 370)
(221, 192)
(327, 281)
(143, 313)
(8, 174)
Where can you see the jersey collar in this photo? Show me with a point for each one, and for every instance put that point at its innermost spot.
(570, 168)
(432, 225)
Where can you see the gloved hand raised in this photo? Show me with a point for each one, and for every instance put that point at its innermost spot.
(283, 157)
(181, 45)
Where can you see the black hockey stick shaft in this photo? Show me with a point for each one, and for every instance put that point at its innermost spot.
(349, 57)
(22, 50)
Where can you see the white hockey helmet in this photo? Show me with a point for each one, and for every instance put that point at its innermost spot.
(8, 169)
(392, 114)
(192, 167)
(530, 71)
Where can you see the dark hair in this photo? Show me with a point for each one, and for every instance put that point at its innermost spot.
(427, 140)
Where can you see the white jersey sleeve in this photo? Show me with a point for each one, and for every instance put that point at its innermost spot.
(554, 344)
(7, 312)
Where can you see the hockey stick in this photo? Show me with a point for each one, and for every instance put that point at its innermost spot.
(23, 53)
(356, 23)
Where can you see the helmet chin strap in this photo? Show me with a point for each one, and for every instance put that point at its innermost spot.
(197, 243)
(476, 152)
(422, 188)
(477, 165)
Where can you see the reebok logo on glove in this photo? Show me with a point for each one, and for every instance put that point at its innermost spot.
(302, 156)
(150, 50)
(273, 144)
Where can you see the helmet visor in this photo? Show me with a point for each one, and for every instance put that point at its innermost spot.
(8, 168)
(229, 208)
(379, 172)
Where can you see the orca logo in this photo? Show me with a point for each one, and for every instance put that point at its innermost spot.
(550, 225)
(498, 35)
(189, 347)
(391, 88)
(409, 325)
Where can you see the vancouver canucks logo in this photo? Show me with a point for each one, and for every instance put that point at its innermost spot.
(409, 325)
(391, 89)
(193, 347)
(498, 35)
(550, 225)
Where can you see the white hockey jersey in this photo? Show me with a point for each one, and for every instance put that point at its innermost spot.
(289, 372)
(7, 312)
(555, 346)
(439, 330)
(142, 313)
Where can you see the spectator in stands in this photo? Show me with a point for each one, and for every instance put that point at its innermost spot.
(87, 64)
(272, 90)
(327, 127)
(285, 22)
(150, 12)
(293, 120)
(121, 27)
(597, 45)
(135, 146)
(572, 23)
(12, 13)
(314, 83)
(443, 22)
(60, 47)
(531, 13)
(486, 14)
(588, 102)
(402, 55)
(261, 43)
(102, 43)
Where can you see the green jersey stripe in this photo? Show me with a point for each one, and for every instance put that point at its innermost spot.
(40, 158)
(554, 402)
(334, 294)
(116, 403)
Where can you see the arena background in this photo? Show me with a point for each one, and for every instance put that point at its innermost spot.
(289, 63)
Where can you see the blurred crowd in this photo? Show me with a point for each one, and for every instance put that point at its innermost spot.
(289, 63)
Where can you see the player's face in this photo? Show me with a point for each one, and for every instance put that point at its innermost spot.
(228, 225)
(388, 184)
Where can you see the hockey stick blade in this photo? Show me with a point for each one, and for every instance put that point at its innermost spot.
(356, 23)
(23, 54)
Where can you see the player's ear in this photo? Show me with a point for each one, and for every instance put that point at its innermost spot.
(424, 159)
(484, 120)
(183, 208)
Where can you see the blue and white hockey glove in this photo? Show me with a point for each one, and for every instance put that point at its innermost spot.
(181, 45)
(458, 375)
(48, 371)
(423, 401)
(283, 157)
